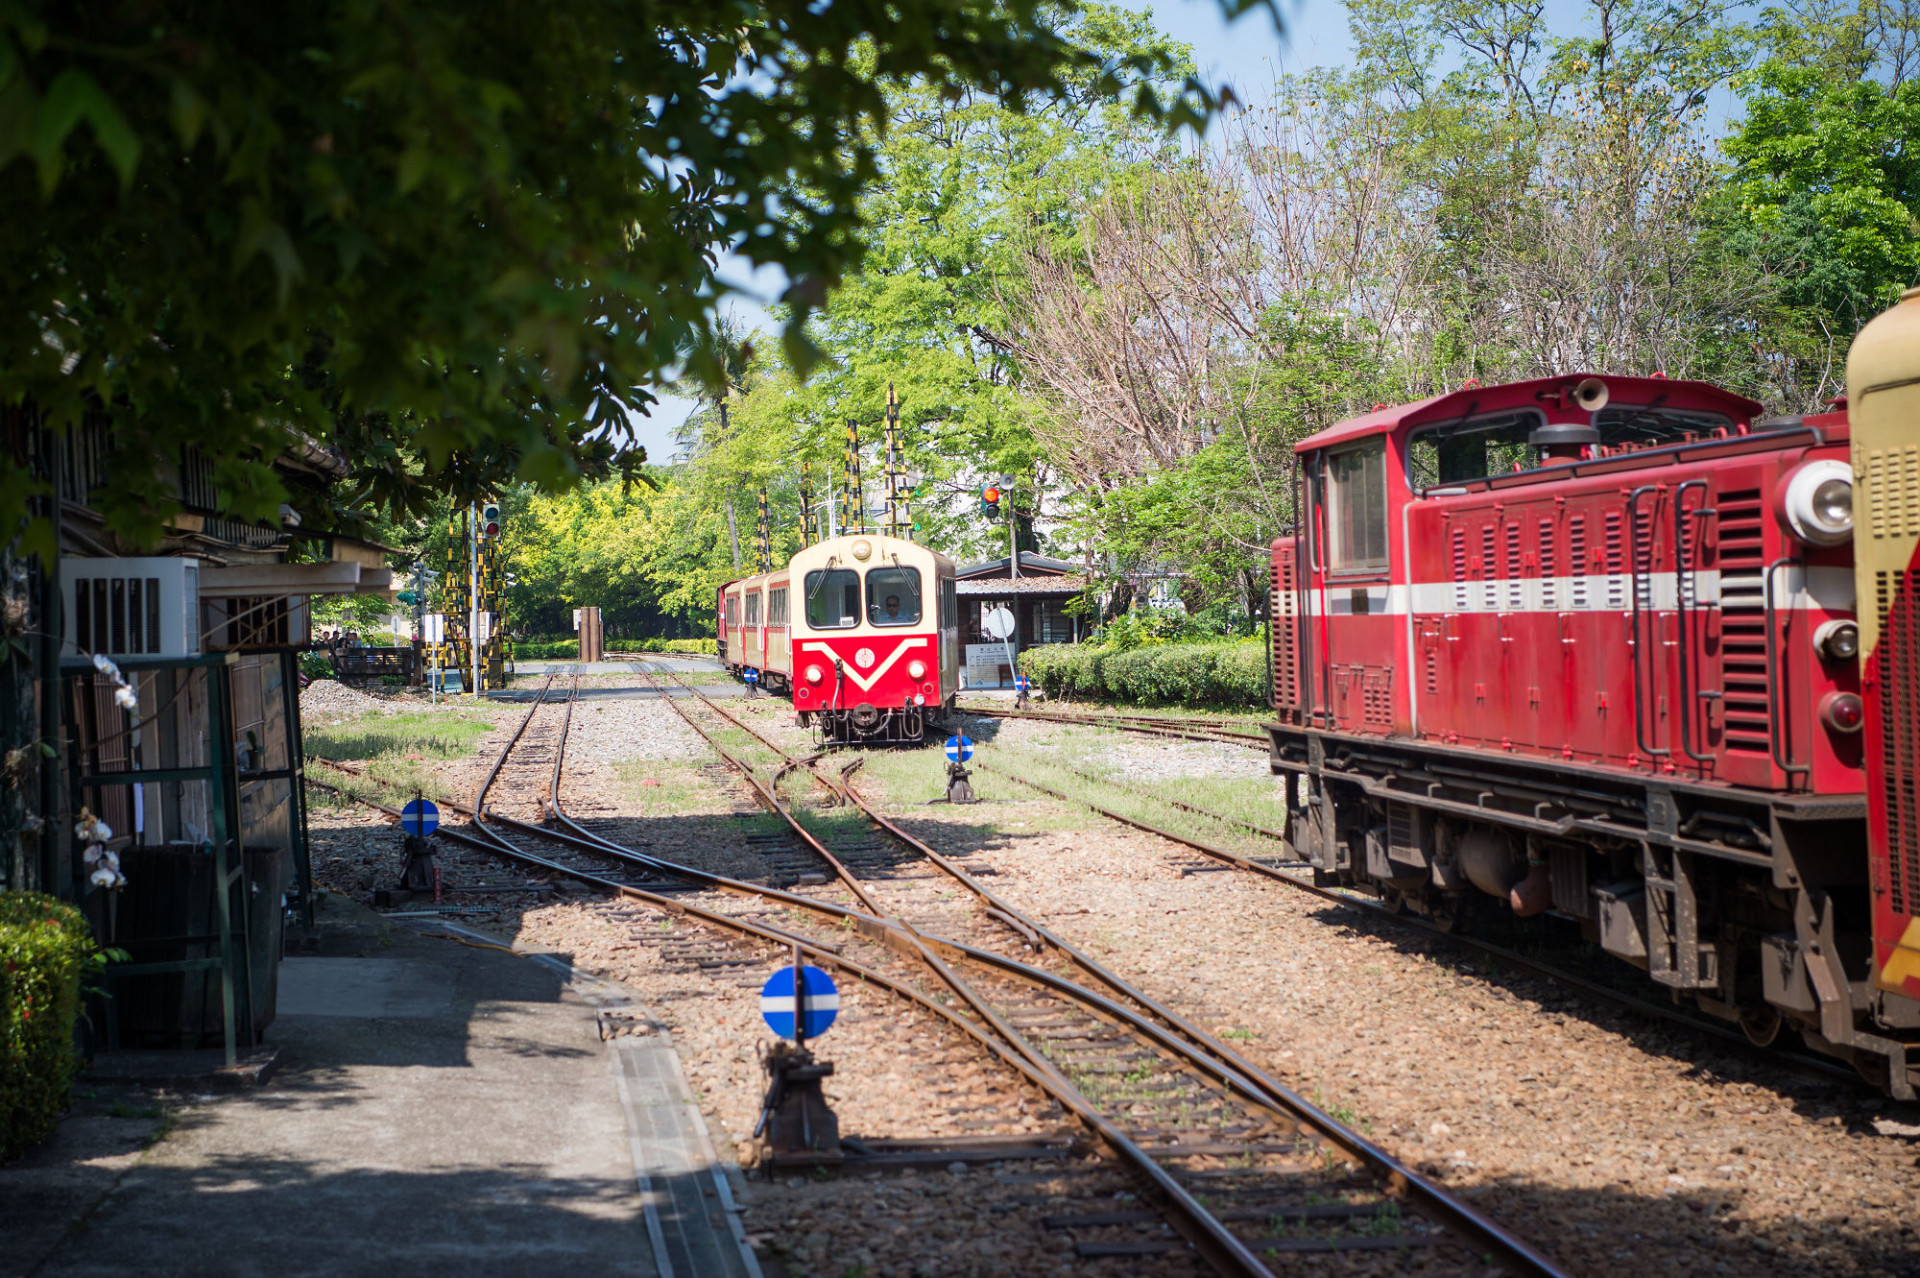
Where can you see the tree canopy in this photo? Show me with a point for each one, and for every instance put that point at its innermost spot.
(464, 244)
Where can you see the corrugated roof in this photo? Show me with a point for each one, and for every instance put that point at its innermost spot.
(986, 587)
(1028, 560)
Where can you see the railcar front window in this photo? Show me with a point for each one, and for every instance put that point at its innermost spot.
(833, 599)
(893, 596)
(1357, 509)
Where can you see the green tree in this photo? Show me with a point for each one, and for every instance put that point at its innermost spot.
(464, 243)
(1826, 181)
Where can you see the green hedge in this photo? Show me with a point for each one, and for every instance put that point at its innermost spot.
(44, 947)
(1213, 674)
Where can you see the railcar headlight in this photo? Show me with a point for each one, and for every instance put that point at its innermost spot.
(815, 674)
(1819, 503)
(1837, 640)
(916, 668)
(1842, 712)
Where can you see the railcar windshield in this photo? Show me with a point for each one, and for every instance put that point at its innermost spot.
(893, 596)
(833, 599)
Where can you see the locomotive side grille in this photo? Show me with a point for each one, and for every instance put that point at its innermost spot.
(1743, 619)
(1616, 590)
(1893, 491)
(1899, 671)
(1487, 568)
(1516, 584)
(1459, 570)
(1376, 696)
(1548, 593)
(1577, 558)
(1283, 619)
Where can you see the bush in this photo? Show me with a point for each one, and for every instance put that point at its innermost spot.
(1217, 674)
(708, 646)
(316, 665)
(44, 948)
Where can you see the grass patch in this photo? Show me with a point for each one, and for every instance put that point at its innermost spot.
(449, 735)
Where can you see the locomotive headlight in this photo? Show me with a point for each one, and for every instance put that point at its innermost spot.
(1819, 503)
(916, 668)
(1842, 712)
(815, 674)
(1837, 640)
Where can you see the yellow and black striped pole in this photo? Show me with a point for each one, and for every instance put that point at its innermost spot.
(853, 514)
(806, 504)
(899, 495)
(763, 536)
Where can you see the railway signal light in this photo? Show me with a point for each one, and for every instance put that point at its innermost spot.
(490, 520)
(990, 502)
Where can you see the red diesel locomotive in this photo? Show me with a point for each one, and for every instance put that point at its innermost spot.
(1590, 645)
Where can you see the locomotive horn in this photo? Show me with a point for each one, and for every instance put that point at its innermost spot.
(1591, 394)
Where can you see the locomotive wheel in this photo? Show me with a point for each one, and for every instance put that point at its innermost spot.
(1761, 1025)
(1393, 900)
(1446, 912)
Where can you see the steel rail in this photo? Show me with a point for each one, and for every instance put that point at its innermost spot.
(1210, 1058)
(1178, 803)
(1151, 727)
(1198, 1047)
(1210, 1237)
(1511, 958)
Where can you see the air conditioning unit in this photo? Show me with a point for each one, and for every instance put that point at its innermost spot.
(147, 607)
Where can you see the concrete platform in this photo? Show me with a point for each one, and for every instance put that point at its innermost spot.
(441, 1107)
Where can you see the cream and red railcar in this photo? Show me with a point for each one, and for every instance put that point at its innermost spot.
(876, 638)
(863, 631)
(1595, 646)
(752, 628)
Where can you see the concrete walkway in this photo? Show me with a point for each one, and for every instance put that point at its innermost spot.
(441, 1107)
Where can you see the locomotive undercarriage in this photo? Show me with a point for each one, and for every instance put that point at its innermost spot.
(871, 725)
(1753, 906)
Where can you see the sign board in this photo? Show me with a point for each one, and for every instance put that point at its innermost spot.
(998, 622)
(486, 626)
(959, 747)
(576, 618)
(420, 817)
(1022, 684)
(777, 1003)
(750, 675)
(434, 628)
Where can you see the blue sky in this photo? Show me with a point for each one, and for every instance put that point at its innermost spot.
(1248, 54)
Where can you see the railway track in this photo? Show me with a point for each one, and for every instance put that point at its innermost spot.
(1149, 725)
(1183, 1112)
(1295, 874)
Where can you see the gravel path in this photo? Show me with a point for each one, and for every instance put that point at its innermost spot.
(1611, 1143)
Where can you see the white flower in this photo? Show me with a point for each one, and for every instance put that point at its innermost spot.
(127, 699)
(92, 854)
(104, 664)
(110, 859)
(103, 877)
(91, 829)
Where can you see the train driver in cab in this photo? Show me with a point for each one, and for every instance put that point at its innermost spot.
(891, 617)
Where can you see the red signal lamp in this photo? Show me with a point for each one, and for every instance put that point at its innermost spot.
(990, 495)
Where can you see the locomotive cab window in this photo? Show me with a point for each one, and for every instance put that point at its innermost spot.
(1460, 452)
(893, 596)
(777, 607)
(833, 599)
(1355, 489)
(949, 604)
